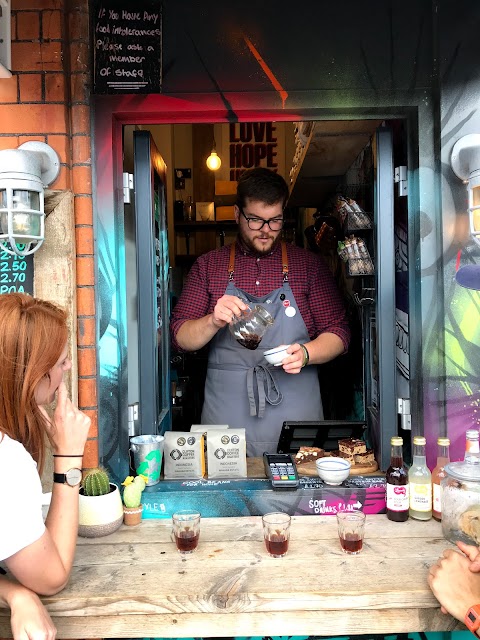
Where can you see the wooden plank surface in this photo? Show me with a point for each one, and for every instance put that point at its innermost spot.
(134, 583)
(255, 469)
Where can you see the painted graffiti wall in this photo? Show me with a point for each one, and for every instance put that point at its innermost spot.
(270, 62)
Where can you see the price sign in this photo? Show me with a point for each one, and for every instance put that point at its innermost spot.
(16, 273)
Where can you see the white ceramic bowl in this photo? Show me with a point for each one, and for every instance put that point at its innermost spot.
(277, 354)
(333, 470)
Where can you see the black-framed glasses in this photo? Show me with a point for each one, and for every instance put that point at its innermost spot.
(255, 224)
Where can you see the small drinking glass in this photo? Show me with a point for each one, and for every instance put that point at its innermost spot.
(276, 533)
(186, 530)
(351, 529)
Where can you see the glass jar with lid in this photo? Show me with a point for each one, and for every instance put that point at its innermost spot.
(249, 327)
(461, 495)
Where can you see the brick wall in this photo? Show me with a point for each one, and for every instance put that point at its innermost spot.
(47, 99)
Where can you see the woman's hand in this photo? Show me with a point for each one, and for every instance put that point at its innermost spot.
(68, 431)
(29, 619)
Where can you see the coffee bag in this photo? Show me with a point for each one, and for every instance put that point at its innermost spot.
(226, 453)
(184, 455)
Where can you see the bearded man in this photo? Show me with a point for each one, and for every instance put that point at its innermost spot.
(296, 288)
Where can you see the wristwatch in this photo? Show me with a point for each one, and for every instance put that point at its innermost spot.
(72, 477)
(472, 618)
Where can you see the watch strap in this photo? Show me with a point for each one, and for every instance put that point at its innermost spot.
(472, 618)
(60, 478)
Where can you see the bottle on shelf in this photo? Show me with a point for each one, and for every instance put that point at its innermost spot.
(397, 484)
(189, 209)
(472, 446)
(420, 480)
(438, 474)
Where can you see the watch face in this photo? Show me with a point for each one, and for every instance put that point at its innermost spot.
(472, 619)
(73, 477)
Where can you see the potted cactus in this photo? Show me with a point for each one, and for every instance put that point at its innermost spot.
(132, 499)
(100, 505)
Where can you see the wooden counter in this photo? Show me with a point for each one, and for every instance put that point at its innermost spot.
(134, 583)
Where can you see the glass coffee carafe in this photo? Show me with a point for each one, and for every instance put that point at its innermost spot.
(249, 327)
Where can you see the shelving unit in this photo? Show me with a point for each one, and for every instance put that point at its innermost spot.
(187, 227)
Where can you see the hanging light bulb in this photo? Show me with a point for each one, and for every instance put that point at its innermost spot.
(213, 161)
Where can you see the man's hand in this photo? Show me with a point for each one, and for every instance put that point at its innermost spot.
(453, 584)
(225, 309)
(294, 361)
(473, 554)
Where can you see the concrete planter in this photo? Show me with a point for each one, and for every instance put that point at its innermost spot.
(100, 515)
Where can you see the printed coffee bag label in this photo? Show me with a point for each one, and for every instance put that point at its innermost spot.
(183, 455)
(226, 453)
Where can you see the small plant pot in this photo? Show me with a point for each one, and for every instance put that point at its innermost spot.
(132, 515)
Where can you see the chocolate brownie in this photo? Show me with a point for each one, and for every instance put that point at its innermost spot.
(308, 454)
(365, 458)
(342, 454)
(352, 446)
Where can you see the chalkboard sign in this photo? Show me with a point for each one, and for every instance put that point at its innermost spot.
(127, 46)
(16, 273)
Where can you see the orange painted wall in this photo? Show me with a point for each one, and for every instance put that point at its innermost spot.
(47, 99)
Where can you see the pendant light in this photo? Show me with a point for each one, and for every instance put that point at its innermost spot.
(213, 161)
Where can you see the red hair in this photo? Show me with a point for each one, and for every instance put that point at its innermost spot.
(33, 334)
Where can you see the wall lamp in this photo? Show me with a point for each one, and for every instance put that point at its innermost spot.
(213, 161)
(24, 172)
(465, 161)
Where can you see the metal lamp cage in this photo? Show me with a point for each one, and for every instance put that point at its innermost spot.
(24, 172)
(474, 207)
(22, 227)
(465, 160)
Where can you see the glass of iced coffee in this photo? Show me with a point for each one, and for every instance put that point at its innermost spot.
(276, 533)
(186, 530)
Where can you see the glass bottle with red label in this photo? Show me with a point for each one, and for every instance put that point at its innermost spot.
(397, 484)
(438, 474)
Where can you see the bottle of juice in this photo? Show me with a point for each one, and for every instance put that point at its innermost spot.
(397, 484)
(472, 447)
(438, 473)
(420, 480)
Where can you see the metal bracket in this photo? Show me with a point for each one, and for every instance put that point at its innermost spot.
(401, 180)
(132, 419)
(403, 409)
(127, 185)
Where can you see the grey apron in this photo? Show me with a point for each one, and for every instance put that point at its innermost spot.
(243, 390)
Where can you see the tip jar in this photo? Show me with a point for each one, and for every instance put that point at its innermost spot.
(249, 327)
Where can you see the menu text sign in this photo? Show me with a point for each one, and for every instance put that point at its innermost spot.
(127, 46)
(16, 273)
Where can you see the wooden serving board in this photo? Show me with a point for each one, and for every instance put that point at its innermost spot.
(310, 469)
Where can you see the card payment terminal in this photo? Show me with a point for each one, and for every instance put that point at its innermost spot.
(281, 470)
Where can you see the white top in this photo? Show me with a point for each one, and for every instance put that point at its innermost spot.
(21, 521)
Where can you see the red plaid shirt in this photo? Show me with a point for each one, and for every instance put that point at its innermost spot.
(312, 283)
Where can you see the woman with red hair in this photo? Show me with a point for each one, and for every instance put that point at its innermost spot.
(38, 554)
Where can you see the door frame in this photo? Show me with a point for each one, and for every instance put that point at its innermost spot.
(113, 112)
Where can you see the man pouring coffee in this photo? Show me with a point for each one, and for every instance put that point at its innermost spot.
(296, 288)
